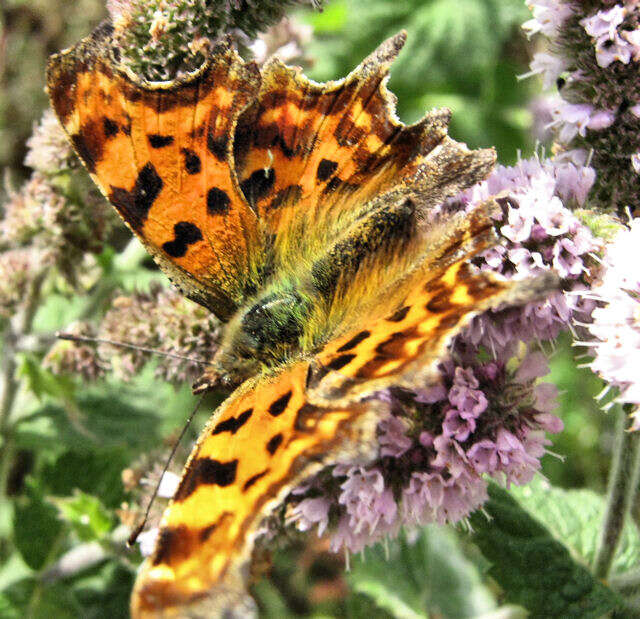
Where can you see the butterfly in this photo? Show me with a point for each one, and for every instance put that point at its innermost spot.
(304, 216)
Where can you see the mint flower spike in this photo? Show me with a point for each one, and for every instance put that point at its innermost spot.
(593, 58)
(616, 322)
(540, 232)
(162, 40)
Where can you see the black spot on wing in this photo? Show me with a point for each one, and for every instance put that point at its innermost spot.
(339, 362)
(134, 205)
(354, 341)
(258, 185)
(253, 479)
(440, 303)
(209, 472)
(88, 147)
(326, 168)
(168, 540)
(278, 406)
(381, 348)
(110, 127)
(333, 184)
(192, 163)
(217, 146)
(274, 442)
(399, 315)
(233, 424)
(286, 197)
(186, 234)
(205, 533)
(159, 141)
(218, 202)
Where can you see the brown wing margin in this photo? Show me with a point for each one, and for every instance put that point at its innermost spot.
(160, 152)
(262, 441)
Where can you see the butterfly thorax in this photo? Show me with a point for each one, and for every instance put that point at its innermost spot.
(265, 333)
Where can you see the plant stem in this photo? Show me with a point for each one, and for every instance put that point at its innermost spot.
(20, 325)
(623, 480)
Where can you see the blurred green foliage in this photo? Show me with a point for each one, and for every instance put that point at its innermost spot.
(461, 54)
(71, 442)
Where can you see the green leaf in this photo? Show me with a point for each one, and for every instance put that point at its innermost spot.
(428, 574)
(534, 569)
(101, 474)
(574, 517)
(86, 515)
(41, 382)
(30, 598)
(36, 529)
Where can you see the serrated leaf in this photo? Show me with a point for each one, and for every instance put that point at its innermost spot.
(85, 514)
(430, 574)
(534, 569)
(574, 517)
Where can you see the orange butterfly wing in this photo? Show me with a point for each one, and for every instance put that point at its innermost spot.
(265, 439)
(311, 156)
(161, 154)
(274, 432)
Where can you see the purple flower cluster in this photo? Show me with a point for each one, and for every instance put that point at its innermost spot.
(616, 322)
(43, 228)
(436, 447)
(592, 57)
(610, 41)
(539, 232)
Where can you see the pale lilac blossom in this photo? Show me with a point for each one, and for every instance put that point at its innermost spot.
(540, 233)
(548, 16)
(616, 322)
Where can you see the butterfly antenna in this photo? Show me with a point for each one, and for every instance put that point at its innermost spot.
(136, 532)
(99, 340)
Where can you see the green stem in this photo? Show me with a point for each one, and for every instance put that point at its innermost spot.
(623, 480)
(20, 325)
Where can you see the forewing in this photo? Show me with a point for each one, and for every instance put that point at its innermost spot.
(160, 154)
(264, 440)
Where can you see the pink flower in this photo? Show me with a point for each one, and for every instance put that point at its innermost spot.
(533, 366)
(548, 16)
(393, 439)
(548, 66)
(604, 23)
(616, 323)
(311, 512)
(366, 500)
